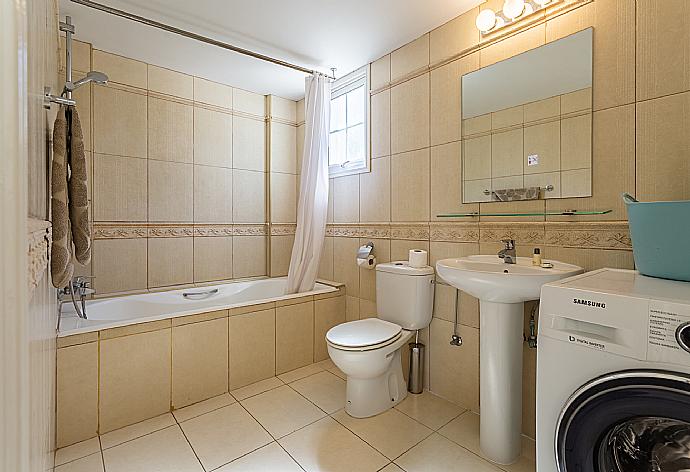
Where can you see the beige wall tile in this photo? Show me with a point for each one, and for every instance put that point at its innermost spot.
(375, 192)
(446, 180)
(663, 48)
(119, 122)
(453, 37)
(284, 198)
(120, 188)
(212, 258)
(346, 199)
(248, 102)
(380, 74)
(170, 261)
(381, 124)
(283, 108)
(500, 183)
(171, 188)
(249, 256)
(477, 124)
(326, 261)
(77, 393)
(300, 147)
(248, 364)
(576, 101)
(367, 309)
(248, 144)
(81, 55)
(506, 153)
(281, 250)
(120, 69)
(410, 115)
(576, 183)
(248, 196)
(400, 248)
(367, 277)
(345, 268)
(663, 148)
(294, 336)
(544, 180)
(119, 265)
(351, 308)
(134, 391)
(411, 57)
(476, 158)
(591, 259)
(576, 142)
(199, 361)
(170, 82)
(543, 109)
(446, 112)
(410, 186)
(212, 93)
(283, 148)
(613, 164)
(327, 313)
(473, 190)
(212, 137)
(544, 141)
(513, 45)
(212, 194)
(170, 131)
(507, 118)
(300, 111)
(454, 371)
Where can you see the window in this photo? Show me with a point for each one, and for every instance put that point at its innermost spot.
(348, 150)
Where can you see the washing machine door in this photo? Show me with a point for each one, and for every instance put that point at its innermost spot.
(630, 421)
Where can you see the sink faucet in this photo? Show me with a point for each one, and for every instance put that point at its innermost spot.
(79, 286)
(508, 253)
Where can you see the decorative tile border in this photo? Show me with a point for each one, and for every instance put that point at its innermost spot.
(281, 229)
(119, 230)
(592, 235)
(250, 230)
(39, 240)
(183, 230)
(170, 231)
(526, 233)
(460, 232)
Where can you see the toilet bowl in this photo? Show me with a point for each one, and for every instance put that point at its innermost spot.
(368, 351)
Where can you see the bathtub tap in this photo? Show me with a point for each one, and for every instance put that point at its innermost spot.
(79, 286)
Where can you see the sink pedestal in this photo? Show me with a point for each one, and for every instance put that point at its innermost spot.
(501, 328)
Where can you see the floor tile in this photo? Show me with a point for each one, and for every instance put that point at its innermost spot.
(197, 409)
(391, 432)
(256, 388)
(464, 430)
(300, 373)
(77, 451)
(118, 436)
(392, 468)
(224, 435)
(438, 454)
(267, 459)
(282, 410)
(332, 368)
(429, 409)
(328, 446)
(92, 463)
(166, 450)
(325, 390)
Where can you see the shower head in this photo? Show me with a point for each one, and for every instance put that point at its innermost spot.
(93, 76)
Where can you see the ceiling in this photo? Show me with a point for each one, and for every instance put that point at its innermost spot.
(317, 34)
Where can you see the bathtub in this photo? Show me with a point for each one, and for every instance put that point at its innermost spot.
(132, 309)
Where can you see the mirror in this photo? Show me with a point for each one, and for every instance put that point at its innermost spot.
(527, 125)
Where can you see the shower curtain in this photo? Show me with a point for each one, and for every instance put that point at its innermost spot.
(312, 207)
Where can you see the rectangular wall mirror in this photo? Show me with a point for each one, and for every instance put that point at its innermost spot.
(527, 125)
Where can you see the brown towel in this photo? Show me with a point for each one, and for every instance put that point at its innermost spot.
(78, 193)
(61, 267)
(512, 194)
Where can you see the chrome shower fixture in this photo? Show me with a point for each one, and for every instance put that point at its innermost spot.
(92, 76)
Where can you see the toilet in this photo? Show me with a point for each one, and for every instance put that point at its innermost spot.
(368, 351)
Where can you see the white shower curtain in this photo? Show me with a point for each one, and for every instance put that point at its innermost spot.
(312, 207)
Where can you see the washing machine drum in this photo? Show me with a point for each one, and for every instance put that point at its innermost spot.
(631, 421)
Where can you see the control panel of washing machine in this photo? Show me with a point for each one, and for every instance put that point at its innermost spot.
(669, 333)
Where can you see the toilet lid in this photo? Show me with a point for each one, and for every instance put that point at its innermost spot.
(363, 333)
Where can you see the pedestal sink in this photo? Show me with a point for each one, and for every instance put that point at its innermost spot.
(502, 290)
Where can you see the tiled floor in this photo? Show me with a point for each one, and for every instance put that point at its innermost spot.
(294, 422)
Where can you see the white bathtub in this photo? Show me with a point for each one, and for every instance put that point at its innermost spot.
(131, 309)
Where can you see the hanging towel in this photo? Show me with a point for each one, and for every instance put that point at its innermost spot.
(513, 194)
(61, 267)
(77, 189)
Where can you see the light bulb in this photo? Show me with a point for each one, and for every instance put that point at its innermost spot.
(513, 8)
(486, 20)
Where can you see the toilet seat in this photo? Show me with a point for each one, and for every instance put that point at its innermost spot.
(363, 335)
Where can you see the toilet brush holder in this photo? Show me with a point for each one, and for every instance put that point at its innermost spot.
(415, 377)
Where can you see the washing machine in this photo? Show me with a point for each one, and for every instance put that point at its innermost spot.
(613, 374)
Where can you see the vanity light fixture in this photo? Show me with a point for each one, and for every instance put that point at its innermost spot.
(513, 10)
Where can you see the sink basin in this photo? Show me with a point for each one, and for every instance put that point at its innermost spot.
(490, 279)
(502, 290)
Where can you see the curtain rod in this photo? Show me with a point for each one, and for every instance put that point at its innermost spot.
(197, 37)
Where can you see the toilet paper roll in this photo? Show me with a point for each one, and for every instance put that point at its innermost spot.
(368, 263)
(418, 258)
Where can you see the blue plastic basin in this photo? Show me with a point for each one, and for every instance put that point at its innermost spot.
(660, 233)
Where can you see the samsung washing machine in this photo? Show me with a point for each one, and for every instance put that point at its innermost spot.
(613, 374)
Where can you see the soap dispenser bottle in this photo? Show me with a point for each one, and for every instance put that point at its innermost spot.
(536, 257)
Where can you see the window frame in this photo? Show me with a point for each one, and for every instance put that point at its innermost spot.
(340, 87)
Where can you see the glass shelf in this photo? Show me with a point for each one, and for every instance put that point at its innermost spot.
(543, 213)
